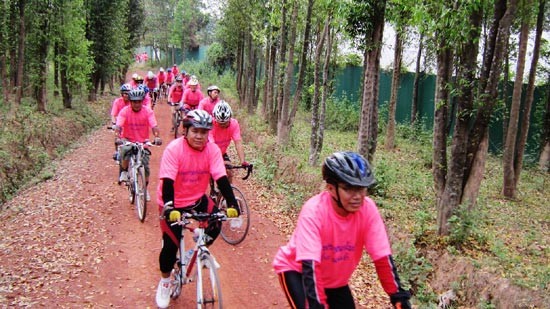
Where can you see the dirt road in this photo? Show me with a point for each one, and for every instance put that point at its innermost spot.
(74, 241)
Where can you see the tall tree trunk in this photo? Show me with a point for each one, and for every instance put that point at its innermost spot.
(466, 73)
(4, 73)
(368, 127)
(284, 122)
(283, 61)
(414, 105)
(271, 95)
(245, 77)
(325, 89)
(42, 59)
(315, 104)
(441, 112)
(396, 76)
(508, 186)
(251, 74)
(239, 67)
(460, 171)
(504, 95)
(544, 159)
(265, 105)
(56, 69)
(525, 120)
(303, 62)
(20, 54)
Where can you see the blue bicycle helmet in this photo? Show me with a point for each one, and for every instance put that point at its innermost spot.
(144, 88)
(125, 88)
(348, 167)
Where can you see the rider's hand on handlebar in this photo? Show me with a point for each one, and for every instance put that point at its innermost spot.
(157, 141)
(400, 300)
(174, 216)
(232, 212)
(245, 164)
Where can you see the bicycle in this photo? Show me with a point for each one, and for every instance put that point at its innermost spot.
(197, 264)
(136, 184)
(163, 92)
(234, 230)
(177, 119)
(154, 94)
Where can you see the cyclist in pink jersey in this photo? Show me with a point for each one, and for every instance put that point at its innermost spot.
(161, 76)
(175, 70)
(225, 130)
(211, 100)
(152, 83)
(192, 95)
(120, 102)
(169, 80)
(133, 124)
(186, 167)
(175, 95)
(333, 229)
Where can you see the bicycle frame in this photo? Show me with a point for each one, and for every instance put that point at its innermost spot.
(201, 257)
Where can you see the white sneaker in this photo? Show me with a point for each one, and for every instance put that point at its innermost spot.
(147, 196)
(163, 294)
(123, 176)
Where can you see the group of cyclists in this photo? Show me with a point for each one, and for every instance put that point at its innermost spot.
(333, 229)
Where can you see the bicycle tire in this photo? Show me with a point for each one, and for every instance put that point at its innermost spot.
(232, 232)
(130, 183)
(176, 123)
(140, 193)
(209, 292)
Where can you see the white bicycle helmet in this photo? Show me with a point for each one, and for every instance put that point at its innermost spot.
(212, 88)
(222, 112)
(198, 118)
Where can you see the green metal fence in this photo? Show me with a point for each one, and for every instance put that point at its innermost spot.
(348, 85)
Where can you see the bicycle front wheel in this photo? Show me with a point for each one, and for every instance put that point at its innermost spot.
(141, 198)
(209, 292)
(234, 230)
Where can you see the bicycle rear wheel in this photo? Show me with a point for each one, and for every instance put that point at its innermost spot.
(176, 122)
(234, 230)
(209, 292)
(141, 198)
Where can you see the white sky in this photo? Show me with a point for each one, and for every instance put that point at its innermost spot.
(411, 48)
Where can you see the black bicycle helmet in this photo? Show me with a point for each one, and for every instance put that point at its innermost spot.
(136, 94)
(198, 118)
(348, 167)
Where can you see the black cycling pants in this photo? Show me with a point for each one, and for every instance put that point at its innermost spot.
(291, 282)
(167, 256)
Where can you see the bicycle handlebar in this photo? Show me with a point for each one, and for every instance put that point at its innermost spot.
(249, 168)
(199, 216)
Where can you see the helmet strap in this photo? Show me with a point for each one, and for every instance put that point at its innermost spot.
(338, 201)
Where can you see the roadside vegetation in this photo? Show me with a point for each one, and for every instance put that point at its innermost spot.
(506, 238)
